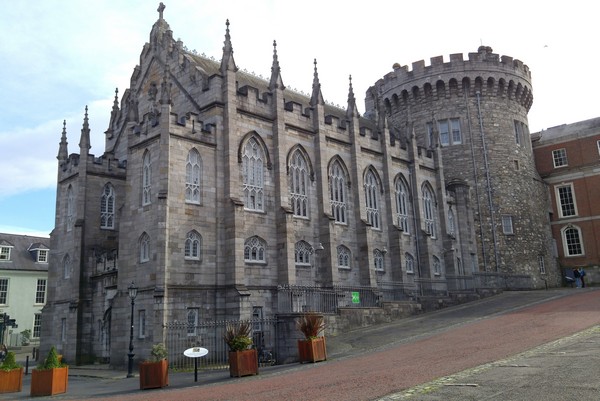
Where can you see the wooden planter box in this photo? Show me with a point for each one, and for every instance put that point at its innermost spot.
(11, 381)
(312, 350)
(243, 363)
(154, 374)
(49, 382)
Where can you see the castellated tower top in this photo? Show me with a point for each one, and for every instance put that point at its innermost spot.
(483, 70)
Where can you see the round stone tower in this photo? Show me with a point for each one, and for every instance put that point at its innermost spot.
(476, 110)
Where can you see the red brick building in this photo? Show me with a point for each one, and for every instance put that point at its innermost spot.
(568, 159)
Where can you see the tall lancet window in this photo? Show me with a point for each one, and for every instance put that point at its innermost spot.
(402, 200)
(253, 172)
(429, 209)
(193, 173)
(107, 207)
(299, 185)
(371, 200)
(70, 208)
(337, 193)
(146, 180)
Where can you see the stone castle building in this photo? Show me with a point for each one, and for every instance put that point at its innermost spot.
(217, 188)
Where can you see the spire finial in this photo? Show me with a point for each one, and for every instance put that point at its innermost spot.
(317, 96)
(276, 81)
(160, 9)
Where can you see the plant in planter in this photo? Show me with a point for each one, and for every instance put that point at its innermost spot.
(51, 377)
(243, 360)
(154, 373)
(11, 375)
(312, 348)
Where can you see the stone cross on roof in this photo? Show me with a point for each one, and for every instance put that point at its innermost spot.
(160, 9)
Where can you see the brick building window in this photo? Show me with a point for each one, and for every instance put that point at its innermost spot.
(70, 208)
(542, 264)
(572, 243)
(437, 266)
(142, 324)
(192, 321)
(42, 256)
(66, 267)
(565, 199)
(559, 156)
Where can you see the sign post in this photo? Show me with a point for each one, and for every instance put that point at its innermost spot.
(195, 352)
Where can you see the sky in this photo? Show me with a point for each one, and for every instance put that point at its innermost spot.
(59, 56)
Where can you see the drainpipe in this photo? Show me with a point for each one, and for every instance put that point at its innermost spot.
(488, 180)
(476, 180)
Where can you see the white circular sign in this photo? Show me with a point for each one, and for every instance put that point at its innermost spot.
(195, 352)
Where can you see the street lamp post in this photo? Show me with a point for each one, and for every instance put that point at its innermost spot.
(132, 294)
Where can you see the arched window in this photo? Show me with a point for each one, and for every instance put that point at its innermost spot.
(107, 207)
(146, 180)
(410, 263)
(254, 250)
(299, 185)
(192, 320)
(144, 248)
(193, 244)
(451, 226)
(66, 266)
(573, 246)
(437, 266)
(302, 254)
(378, 259)
(70, 207)
(371, 199)
(193, 173)
(429, 208)
(337, 193)
(402, 201)
(253, 172)
(343, 257)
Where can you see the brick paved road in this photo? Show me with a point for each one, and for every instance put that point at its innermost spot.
(373, 375)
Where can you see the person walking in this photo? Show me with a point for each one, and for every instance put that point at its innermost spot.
(577, 277)
(582, 276)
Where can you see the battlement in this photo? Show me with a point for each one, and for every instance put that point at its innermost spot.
(484, 55)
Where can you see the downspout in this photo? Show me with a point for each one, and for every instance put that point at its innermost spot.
(487, 178)
(483, 253)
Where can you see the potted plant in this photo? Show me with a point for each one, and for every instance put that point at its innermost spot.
(51, 377)
(243, 360)
(11, 375)
(312, 348)
(154, 372)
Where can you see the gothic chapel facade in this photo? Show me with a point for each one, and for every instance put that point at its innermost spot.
(217, 187)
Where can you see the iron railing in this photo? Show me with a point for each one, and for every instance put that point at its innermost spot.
(180, 336)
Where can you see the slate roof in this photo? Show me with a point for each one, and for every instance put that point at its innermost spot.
(23, 252)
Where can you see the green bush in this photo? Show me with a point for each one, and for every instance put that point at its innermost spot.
(51, 361)
(237, 336)
(9, 362)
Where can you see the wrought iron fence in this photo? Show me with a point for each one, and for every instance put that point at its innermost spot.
(181, 336)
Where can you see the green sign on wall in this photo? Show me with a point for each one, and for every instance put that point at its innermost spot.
(355, 297)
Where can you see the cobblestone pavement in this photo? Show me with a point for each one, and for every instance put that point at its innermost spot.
(531, 345)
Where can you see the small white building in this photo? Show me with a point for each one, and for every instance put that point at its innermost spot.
(23, 283)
